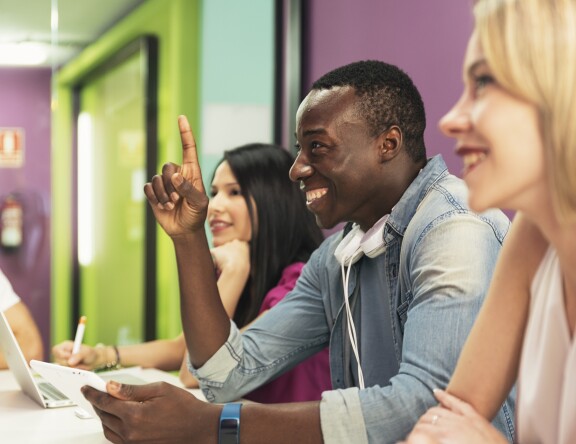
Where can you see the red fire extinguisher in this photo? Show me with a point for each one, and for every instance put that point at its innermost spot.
(11, 218)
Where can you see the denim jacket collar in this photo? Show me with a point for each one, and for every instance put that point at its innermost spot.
(404, 210)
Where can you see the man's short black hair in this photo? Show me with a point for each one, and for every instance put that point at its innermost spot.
(387, 97)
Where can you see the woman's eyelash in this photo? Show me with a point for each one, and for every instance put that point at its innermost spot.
(482, 80)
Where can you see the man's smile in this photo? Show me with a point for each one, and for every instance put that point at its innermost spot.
(316, 194)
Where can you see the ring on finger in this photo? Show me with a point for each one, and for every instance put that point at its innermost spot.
(435, 419)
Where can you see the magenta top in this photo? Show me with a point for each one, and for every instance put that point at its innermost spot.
(307, 380)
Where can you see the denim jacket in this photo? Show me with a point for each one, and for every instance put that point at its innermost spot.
(413, 307)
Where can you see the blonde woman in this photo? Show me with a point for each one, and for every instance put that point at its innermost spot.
(514, 128)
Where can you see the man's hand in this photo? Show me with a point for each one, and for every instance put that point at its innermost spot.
(177, 196)
(158, 413)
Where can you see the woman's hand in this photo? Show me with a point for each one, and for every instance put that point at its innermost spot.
(454, 421)
(177, 196)
(87, 358)
(232, 263)
(233, 255)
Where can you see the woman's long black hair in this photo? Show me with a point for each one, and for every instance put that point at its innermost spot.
(283, 230)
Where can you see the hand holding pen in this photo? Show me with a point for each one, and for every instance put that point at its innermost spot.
(85, 357)
(75, 354)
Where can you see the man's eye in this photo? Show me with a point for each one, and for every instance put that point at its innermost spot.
(315, 145)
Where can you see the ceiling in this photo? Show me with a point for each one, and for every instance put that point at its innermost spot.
(80, 22)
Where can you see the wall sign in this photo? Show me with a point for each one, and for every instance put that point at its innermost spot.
(11, 147)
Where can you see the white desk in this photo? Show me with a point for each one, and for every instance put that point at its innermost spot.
(22, 421)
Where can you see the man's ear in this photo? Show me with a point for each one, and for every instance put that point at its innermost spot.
(389, 143)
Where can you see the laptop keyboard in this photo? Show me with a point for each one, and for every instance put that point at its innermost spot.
(50, 392)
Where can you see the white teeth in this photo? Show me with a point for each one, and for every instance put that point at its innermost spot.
(315, 194)
(473, 158)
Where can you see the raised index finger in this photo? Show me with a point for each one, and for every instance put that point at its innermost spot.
(190, 166)
(189, 153)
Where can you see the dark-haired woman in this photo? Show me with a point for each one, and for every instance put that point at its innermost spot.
(262, 234)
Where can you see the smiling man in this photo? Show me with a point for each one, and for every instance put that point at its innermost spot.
(394, 295)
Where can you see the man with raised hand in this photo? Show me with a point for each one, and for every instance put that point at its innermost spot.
(394, 294)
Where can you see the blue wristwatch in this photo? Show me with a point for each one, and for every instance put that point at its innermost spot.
(229, 431)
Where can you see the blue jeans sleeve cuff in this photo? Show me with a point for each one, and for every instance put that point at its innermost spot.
(224, 361)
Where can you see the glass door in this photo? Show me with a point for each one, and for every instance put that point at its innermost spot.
(114, 278)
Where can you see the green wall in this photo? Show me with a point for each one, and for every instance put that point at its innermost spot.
(211, 53)
(176, 23)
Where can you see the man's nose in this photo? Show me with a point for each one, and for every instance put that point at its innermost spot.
(301, 169)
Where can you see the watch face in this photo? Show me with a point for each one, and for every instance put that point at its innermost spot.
(229, 425)
(229, 431)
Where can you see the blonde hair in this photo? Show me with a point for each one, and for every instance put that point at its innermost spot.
(530, 46)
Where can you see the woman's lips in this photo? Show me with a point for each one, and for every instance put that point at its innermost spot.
(471, 158)
(217, 225)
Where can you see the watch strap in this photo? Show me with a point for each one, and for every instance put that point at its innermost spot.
(229, 430)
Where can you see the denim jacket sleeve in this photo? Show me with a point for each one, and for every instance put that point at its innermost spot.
(446, 266)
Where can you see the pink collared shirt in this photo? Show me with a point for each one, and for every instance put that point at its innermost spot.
(307, 380)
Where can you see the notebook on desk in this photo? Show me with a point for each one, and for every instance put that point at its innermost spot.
(34, 386)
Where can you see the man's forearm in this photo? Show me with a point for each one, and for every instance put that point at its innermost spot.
(280, 423)
(205, 322)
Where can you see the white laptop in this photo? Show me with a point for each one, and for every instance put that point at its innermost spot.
(37, 388)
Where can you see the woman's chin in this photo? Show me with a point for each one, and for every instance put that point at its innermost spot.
(218, 241)
(478, 204)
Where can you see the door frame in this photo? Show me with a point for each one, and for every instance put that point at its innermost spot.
(147, 46)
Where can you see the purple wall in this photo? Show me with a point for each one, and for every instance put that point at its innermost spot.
(427, 39)
(25, 103)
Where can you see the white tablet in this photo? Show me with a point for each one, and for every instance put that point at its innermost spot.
(69, 381)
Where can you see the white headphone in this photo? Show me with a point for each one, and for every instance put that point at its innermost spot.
(349, 251)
